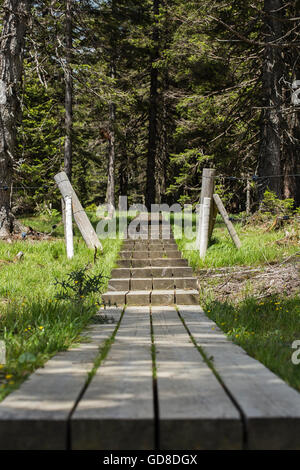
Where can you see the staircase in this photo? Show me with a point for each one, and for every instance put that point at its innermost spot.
(152, 272)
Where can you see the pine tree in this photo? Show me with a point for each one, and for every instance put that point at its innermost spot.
(15, 19)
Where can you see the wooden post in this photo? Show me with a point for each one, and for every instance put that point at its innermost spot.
(86, 229)
(69, 227)
(225, 217)
(248, 197)
(207, 190)
(205, 219)
(198, 237)
(63, 215)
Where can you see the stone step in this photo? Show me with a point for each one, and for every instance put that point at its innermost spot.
(137, 298)
(175, 283)
(163, 271)
(151, 297)
(149, 283)
(119, 285)
(149, 254)
(155, 262)
(114, 298)
(167, 262)
(148, 245)
(157, 272)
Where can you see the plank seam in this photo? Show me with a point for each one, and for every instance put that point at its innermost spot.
(87, 382)
(219, 378)
(155, 388)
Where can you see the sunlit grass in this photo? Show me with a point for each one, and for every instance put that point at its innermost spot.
(258, 247)
(265, 328)
(33, 324)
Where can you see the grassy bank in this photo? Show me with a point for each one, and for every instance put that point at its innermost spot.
(34, 323)
(258, 247)
(264, 321)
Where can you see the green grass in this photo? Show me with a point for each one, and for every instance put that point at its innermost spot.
(267, 327)
(33, 323)
(258, 247)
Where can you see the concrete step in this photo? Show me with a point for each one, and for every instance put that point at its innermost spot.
(149, 245)
(114, 298)
(124, 263)
(119, 285)
(175, 283)
(137, 298)
(153, 297)
(167, 262)
(155, 262)
(163, 271)
(149, 283)
(149, 254)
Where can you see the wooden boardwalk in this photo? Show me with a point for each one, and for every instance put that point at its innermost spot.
(170, 379)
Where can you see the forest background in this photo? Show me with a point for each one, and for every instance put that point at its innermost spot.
(136, 97)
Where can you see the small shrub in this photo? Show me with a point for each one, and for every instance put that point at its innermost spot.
(272, 205)
(79, 285)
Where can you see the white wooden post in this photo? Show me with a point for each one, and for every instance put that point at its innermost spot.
(69, 227)
(199, 215)
(87, 231)
(205, 219)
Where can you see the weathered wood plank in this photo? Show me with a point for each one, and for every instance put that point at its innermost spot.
(271, 408)
(194, 410)
(35, 417)
(117, 410)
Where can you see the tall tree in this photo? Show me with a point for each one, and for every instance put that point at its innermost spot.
(68, 90)
(271, 119)
(291, 128)
(110, 194)
(15, 18)
(153, 111)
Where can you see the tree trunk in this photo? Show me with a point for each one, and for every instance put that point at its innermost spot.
(68, 91)
(153, 105)
(290, 157)
(123, 171)
(291, 150)
(110, 193)
(15, 18)
(163, 154)
(270, 145)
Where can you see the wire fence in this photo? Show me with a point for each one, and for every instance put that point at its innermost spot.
(254, 178)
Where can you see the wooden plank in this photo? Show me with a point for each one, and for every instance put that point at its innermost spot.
(271, 408)
(117, 410)
(35, 417)
(86, 229)
(225, 217)
(194, 410)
